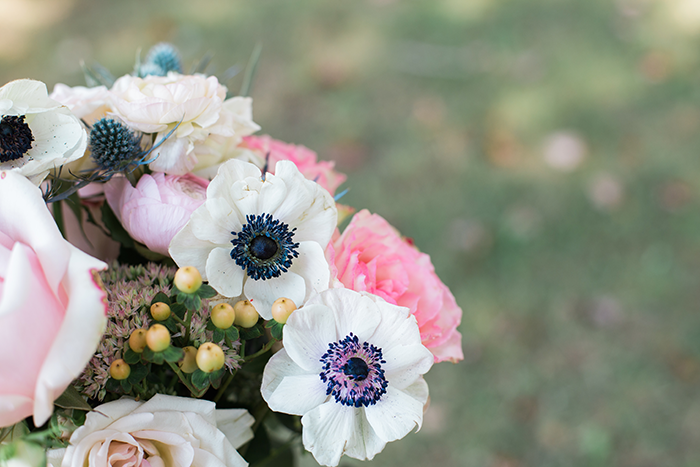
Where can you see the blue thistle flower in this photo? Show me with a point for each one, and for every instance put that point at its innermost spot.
(113, 145)
(161, 59)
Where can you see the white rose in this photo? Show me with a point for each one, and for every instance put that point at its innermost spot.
(166, 431)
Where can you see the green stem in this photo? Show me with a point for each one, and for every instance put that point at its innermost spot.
(182, 377)
(265, 348)
(188, 324)
(224, 386)
(58, 217)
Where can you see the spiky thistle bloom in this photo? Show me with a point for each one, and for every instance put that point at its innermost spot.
(130, 290)
(161, 59)
(113, 145)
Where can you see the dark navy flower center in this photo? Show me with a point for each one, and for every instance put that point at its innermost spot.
(15, 138)
(353, 372)
(264, 247)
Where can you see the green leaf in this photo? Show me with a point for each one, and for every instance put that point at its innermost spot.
(161, 297)
(173, 354)
(252, 333)
(210, 325)
(138, 373)
(178, 309)
(191, 301)
(130, 356)
(147, 354)
(206, 291)
(115, 228)
(71, 399)
(232, 333)
(215, 377)
(126, 385)
(200, 379)
(275, 329)
(218, 335)
(112, 385)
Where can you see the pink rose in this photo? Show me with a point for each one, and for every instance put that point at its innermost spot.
(371, 256)
(52, 305)
(157, 208)
(304, 158)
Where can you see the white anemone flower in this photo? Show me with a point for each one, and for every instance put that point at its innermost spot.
(37, 133)
(352, 366)
(261, 236)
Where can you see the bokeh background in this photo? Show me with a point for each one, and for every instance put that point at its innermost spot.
(543, 152)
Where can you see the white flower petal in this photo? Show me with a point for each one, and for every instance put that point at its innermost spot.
(224, 274)
(278, 367)
(395, 415)
(364, 443)
(297, 395)
(354, 313)
(313, 267)
(307, 334)
(327, 430)
(263, 293)
(204, 227)
(236, 425)
(188, 250)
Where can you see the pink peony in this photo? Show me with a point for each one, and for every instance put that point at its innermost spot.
(304, 158)
(157, 208)
(371, 256)
(52, 305)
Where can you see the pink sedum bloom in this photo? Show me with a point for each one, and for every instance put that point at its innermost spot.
(52, 305)
(304, 158)
(157, 208)
(371, 256)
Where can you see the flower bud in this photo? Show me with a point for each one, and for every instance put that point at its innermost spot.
(210, 357)
(158, 338)
(246, 314)
(119, 369)
(282, 308)
(137, 340)
(188, 279)
(189, 363)
(223, 315)
(160, 311)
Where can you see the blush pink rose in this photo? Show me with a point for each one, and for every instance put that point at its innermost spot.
(157, 208)
(52, 305)
(371, 256)
(304, 158)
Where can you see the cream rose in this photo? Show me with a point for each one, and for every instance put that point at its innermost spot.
(166, 431)
(196, 104)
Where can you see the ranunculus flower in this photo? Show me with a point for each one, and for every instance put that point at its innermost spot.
(371, 256)
(304, 158)
(37, 133)
(166, 431)
(52, 305)
(196, 104)
(157, 208)
(89, 104)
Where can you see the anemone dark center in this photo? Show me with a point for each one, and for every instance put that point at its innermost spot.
(15, 138)
(263, 247)
(356, 369)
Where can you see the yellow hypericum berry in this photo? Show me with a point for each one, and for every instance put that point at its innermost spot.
(282, 308)
(188, 279)
(160, 311)
(189, 363)
(223, 315)
(210, 357)
(246, 314)
(137, 340)
(119, 369)
(158, 338)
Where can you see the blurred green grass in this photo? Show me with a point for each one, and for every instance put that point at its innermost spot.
(544, 153)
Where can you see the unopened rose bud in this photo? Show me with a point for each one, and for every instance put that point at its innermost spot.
(282, 308)
(246, 314)
(188, 279)
(223, 315)
(137, 340)
(210, 357)
(158, 338)
(160, 311)
(189, 363)
(119, 369)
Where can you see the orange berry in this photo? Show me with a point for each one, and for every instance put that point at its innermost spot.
(119, 369)
(223, 315)
(282, 308)
(158, 338)
(160, 311)
(189, 363)
(137, 340)
(246, 314)
(210, 357)
(188, 279)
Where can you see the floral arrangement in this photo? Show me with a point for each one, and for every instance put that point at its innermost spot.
(175, 290)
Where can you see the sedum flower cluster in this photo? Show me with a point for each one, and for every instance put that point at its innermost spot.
(213, 282)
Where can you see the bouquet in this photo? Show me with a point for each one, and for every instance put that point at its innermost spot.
(175, 290)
